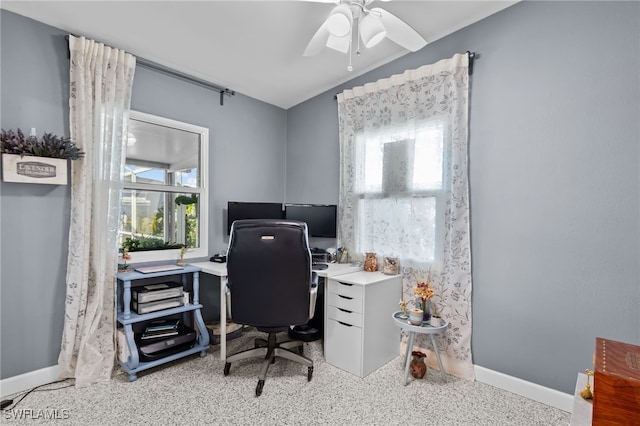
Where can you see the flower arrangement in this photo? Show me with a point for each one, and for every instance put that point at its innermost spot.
(425, 292)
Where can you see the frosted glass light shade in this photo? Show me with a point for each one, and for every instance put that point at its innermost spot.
(372, 31)
(341, 44)
(340, 20)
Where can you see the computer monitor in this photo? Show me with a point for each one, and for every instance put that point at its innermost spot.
(237, 210)
(320, 218)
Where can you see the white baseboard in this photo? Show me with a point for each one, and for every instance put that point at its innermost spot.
(544, 395)
(29, 380)
(560, 400)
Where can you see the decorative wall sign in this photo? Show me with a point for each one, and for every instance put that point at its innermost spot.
(30, 169)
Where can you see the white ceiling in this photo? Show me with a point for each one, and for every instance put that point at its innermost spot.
(252, 47)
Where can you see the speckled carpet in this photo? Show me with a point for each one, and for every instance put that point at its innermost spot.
(194, 391)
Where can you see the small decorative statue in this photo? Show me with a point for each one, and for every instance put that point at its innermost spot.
(403, 308)
(183, 250)
(123, 266)
(370, 262)
(418, 366)
(587, 393)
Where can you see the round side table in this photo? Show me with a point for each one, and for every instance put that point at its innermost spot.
(425, 328)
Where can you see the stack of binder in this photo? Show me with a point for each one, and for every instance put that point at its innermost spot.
(161, 328)
(155, 297)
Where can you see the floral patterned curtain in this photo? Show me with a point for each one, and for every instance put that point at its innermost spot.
(100, 96)
(404, 190)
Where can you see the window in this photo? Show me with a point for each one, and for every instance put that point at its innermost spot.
(399, 191)
(165, 199)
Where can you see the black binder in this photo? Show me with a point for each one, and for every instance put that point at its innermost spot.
(152, 349)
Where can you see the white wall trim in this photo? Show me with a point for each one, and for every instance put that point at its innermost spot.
(29, 380)
(544, 395)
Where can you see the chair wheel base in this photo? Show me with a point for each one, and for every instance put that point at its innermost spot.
(227, 367)
(259, 387)
(309, 374)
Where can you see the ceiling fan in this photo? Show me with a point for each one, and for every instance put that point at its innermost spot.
(369, 25)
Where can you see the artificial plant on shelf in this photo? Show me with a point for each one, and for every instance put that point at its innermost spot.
(49, 145)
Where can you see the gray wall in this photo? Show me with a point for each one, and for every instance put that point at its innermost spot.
(247, 158)
(34, 219)
(554, 175)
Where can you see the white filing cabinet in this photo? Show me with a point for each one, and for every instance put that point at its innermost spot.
(360, 335)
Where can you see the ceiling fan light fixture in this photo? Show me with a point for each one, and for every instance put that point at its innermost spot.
(372, 31)
(341, 44)
(340, 20)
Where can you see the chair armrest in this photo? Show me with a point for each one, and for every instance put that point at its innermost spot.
(313, 294)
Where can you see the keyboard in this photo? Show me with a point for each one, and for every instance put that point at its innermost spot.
(158, 268)
(319, 266)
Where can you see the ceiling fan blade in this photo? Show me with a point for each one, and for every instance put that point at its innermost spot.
(318, 41)
(399, 31)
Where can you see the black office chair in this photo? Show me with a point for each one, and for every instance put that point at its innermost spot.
(271, 287)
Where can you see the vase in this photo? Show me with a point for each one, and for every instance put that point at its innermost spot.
(418, 366)
(426, 313)
(370, 262)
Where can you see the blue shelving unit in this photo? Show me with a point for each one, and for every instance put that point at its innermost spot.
(127, 318)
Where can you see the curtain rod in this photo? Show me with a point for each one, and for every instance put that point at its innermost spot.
(471, 56)
(169, 71)
(185, 77)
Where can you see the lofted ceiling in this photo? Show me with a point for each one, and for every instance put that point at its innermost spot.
(252, 47)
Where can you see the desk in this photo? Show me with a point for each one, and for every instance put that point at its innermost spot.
(424, 329)
(220, 270)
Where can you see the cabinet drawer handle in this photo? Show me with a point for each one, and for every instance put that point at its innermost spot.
(348, 285)
(344, 310)
(344, 323)
(345, 297)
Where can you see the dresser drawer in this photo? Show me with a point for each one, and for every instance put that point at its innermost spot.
(343, 346)
(344, 302)
(347, 317)
(344, 289)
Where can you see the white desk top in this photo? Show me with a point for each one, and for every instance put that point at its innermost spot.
(213, 268)
(220, 269)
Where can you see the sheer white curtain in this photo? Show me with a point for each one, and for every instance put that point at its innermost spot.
(404, 189)
(100, 96)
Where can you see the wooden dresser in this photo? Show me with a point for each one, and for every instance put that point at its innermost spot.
(616, 393)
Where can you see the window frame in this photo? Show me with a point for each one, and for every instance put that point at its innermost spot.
(202, 191)
(439, 195)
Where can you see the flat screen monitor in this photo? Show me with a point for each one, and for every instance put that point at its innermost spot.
(237, 210)
(320, 218)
